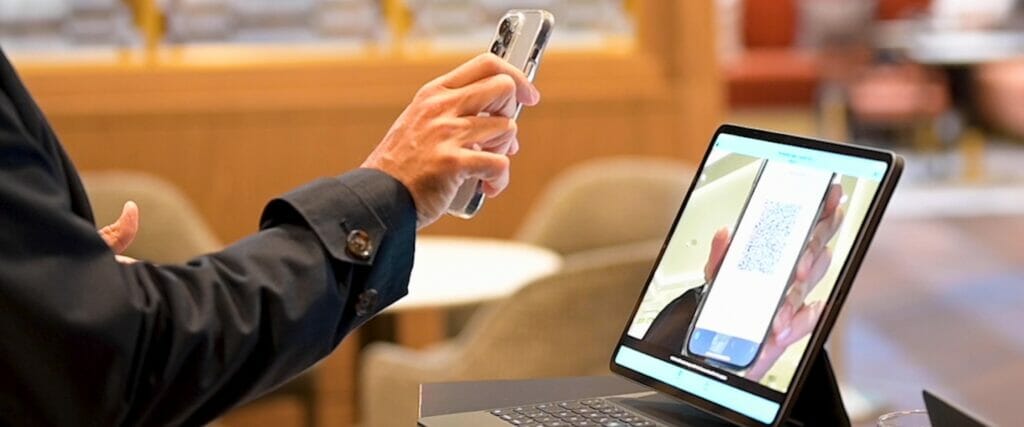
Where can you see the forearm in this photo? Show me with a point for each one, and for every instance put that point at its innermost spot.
(270, 306)
(150, 344)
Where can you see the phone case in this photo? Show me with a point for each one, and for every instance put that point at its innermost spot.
(520, 39)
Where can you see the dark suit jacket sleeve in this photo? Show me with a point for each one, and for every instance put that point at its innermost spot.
(85, 340)
(671, 327)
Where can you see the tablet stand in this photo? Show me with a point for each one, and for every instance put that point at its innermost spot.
(819, 403)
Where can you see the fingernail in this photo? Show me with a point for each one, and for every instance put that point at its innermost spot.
(535, 94)
(783, 334)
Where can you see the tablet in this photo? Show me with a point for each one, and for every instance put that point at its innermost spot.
(754, 270)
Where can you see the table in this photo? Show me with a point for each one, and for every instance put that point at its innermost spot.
(958, 52)
(456, 271)
(950, 48)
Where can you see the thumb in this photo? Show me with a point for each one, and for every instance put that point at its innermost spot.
(719, 244)
(802, 324)
(121, 233)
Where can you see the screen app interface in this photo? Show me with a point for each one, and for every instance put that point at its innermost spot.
(756, 270)
(729, 337)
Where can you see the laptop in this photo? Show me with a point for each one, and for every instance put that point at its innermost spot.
(944, 414)
(745, 290)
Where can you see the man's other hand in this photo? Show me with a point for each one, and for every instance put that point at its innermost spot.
(121, 233)
(442, 139)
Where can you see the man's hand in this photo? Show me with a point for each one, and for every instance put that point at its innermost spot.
(121, 233)
(794, 319)
(441, 139)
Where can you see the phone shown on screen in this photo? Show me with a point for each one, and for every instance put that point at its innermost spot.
(738, 308)
(520, 39)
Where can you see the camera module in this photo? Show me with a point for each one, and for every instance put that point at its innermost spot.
(498, 48)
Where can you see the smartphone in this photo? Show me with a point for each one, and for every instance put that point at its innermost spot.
(520, 39)
(739, 305)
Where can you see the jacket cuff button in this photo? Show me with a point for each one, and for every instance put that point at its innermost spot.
(358, 245)
(367, 302)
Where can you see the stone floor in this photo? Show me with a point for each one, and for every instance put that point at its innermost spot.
(939, 304)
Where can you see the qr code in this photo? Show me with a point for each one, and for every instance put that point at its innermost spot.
(769, 238)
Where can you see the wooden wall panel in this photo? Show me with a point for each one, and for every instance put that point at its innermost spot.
(234, 136)
(230, 164)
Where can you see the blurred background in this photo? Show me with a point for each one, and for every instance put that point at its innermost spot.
(205, 109)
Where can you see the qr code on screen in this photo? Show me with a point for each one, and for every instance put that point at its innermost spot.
(769, 238)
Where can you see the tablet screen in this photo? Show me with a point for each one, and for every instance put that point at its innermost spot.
(749, 267)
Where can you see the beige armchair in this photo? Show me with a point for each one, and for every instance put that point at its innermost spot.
(600, 204)
(607, 202)
(564, 324)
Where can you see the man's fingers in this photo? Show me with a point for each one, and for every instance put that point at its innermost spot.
(802, 323)
(495, 95)
(719, 244)
(490, 133)
(818, 270)
(832, 199)
(826, 229)
(831, 218)
(783, 317)
(822, 233)
(491, 168)
(829, 221)
(495, 187)
(122, 232)
(809, 273)
(486, 65)
(501, 144)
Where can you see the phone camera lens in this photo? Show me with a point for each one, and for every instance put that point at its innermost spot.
(497, 48)
(506, 31)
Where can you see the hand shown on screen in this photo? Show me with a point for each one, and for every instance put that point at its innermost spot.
(119, 235)
(795, 319)
(441, 139)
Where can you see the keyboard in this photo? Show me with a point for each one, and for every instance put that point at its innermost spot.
(573, 413)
